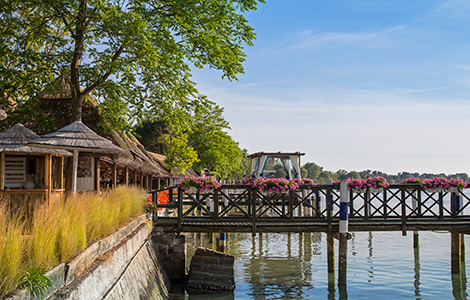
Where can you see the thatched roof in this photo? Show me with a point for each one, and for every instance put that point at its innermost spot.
(56, 102)
(77, 135)
(15, 138)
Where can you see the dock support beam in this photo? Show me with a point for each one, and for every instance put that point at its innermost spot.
(330, 249)
(455, 252)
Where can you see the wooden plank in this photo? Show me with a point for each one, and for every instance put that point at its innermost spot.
(47, 177)
(2, 171)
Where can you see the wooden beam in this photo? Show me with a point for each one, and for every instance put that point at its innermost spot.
(126, 175)
(61, 172)
(97, 174)
(47, 177)
(2, 171)
(114, 176)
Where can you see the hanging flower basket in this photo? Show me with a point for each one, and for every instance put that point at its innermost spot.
(374, 184)
(275, 185)
(410, 181)
(376, 190)
(200, 183)
(438, 184)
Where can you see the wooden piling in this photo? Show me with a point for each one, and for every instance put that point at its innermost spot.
(221, 242)
(462, 249)
(455, 252)
(342, 259)
(415, 239)
(330, 249)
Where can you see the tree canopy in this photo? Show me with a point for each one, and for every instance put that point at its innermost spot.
(205, 137)
(132, 56)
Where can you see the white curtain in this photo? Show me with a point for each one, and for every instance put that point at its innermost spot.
(285, 162)
(254, 166)
(295, 161)
(262, 165)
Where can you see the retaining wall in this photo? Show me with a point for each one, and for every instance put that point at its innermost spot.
(122, 266)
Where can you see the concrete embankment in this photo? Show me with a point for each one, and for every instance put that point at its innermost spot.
(124, 265)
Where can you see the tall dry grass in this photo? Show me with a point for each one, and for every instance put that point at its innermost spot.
(12, 250)
(61, 231)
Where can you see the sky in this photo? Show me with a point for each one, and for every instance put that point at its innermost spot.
(355, 85)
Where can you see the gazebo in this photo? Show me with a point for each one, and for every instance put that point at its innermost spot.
(260, 160)
(77, 137)
(29, 171)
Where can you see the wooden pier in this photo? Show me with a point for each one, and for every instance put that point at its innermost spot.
(316, 208)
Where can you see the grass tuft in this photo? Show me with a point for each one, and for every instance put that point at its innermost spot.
(59, 232)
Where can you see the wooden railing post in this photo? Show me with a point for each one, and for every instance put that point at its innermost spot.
(329, 208)
(403, 212)
(180, 207)
(216, 204)
(253, 209)
(441, 205)
(291, 204)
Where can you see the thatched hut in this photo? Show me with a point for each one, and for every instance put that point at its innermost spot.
(133, 166)
(29, 171)
(77, 137)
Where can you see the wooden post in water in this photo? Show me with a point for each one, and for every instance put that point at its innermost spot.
(330, 249)
(221, 242)
(343, 234)
(414, 204)
(455, 238)
(455, 252)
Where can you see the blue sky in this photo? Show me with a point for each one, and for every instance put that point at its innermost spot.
(357, 84)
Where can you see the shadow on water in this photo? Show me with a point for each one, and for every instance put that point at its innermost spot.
(177, 292)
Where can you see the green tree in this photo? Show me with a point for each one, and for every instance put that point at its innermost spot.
(216, 149)
(132, 56)
(178, 153)
(313, 170)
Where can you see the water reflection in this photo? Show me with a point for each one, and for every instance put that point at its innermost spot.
(369, 258)
(293, 266)
(417, 274)
(274, 276)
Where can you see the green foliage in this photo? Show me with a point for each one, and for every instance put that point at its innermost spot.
(134, 57)
(216, 149)
(178, 153)
(36, 282)
(204, 134)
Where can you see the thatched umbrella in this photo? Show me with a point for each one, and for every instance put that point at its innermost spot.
(15, 138)
(77, 137)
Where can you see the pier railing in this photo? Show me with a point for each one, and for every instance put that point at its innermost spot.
(313, 208)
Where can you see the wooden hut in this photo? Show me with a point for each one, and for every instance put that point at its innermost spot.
(29, 172)
(77, 137)
(133, 166)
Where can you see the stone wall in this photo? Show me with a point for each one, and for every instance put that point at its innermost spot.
(211, 271)
(122, 266)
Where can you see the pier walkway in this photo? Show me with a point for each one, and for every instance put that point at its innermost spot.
(313, 208)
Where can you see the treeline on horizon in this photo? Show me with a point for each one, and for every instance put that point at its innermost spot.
(315, 172)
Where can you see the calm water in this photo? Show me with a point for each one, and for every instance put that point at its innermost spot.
(381, 265)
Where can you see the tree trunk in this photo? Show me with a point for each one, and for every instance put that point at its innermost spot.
(77, 103)
(79, 37)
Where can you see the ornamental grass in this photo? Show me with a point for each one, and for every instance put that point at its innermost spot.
(59, 232)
